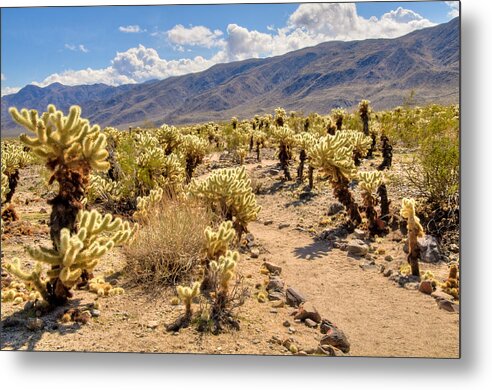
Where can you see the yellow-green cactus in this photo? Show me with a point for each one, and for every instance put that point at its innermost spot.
(285, 138)
(415, 230)
(146, 203)
(169, 137)
(5, 185)
(229, 192)
(370, 182)
(333, 154)
(77, 253)
(60, 139)
(360, 144)
(224, 269)
(338, 114)
(194, 150)
(280, 116)
(104, 189)
(217, 242)
(186, 295)
(14, 158)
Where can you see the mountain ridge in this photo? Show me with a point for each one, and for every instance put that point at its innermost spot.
(317, 78)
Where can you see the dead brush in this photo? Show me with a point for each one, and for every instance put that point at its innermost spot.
(168, 247)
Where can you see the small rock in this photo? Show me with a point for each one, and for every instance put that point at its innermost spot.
(448, 306)
(292, 329)
(268, 222)
(336, 338)
(249, 237)
(387, 272)
(325, 350)
(294, 298)
(388, 258)
(43, 211)
(307, 311)
(335, 208)
(412, 286)
(286, 323)
(272, 268)
(441, 296)
(359, 233)
(95, 313)
(35, 324)
(429, 249)
(153, 324)
(256, 341)
(273, 311)
(367, 265)
(276, 296)
(357, 248)
(404, 279)
(283, 225)
(278, 303)
(255, 253)
(426, 287)
(310, 323)
(275, 284)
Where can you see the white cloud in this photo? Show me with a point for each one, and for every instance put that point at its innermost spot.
(308, 25)
(194, 36)
(2, 77)
(455, 8)
(72, 47)
(132, 29)
(9, 90)
(135, 65)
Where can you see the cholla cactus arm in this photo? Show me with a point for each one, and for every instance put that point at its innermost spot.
(186, 295)
(415, 230)
(5, 185)
(64, 139)
(33, 277)
(217, 242)
(370, 181)
(338, 114)
(225, 268)
(145, 203)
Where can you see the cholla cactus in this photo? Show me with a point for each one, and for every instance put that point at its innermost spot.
(14, 158)
(217, 242)
(304, 141)
(387, 150)
(360, 144)
(229, 192)
(285, 138)
(169, 138)
(71, 149)
(5, 185)
(146, 203)
(234, 122)
(259, 138)
(224, 270)
(186, 295)
(194, 150)
(338, 114)
(103, 189)
(333, 154)
(369, 182)
(415, 230)
(364, 115)
(280, 116)
(76, 255)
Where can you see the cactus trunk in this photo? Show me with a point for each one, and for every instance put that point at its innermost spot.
(387, 154)
(311, 177)
(258, 157)
(13, 180)
(385, 202)
(300, 168)
(345, 197)
(284, 156)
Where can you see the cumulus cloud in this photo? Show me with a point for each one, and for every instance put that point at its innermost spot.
(308, 25)
(455, 8)
(194, 36)
(131, 29)
(9, 90)
(72, 47)
(135, 65)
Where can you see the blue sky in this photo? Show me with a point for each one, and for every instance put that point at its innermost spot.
(118, 44)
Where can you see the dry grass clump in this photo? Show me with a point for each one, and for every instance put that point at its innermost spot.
(169, 246)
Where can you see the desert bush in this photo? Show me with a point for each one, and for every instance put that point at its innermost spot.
(168, 248)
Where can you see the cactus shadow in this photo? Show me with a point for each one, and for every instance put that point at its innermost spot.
(16, 335)
(313, 251)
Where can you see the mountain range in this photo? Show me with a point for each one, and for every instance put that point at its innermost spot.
(331, 74)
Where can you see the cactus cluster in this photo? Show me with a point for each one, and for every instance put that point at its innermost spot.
(285, 138)
(229, 193)
(14, 158)
(194, 150)
(370, 182)
(146, 203)
(103, 189)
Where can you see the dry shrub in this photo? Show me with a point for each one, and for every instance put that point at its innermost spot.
(169, 246)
